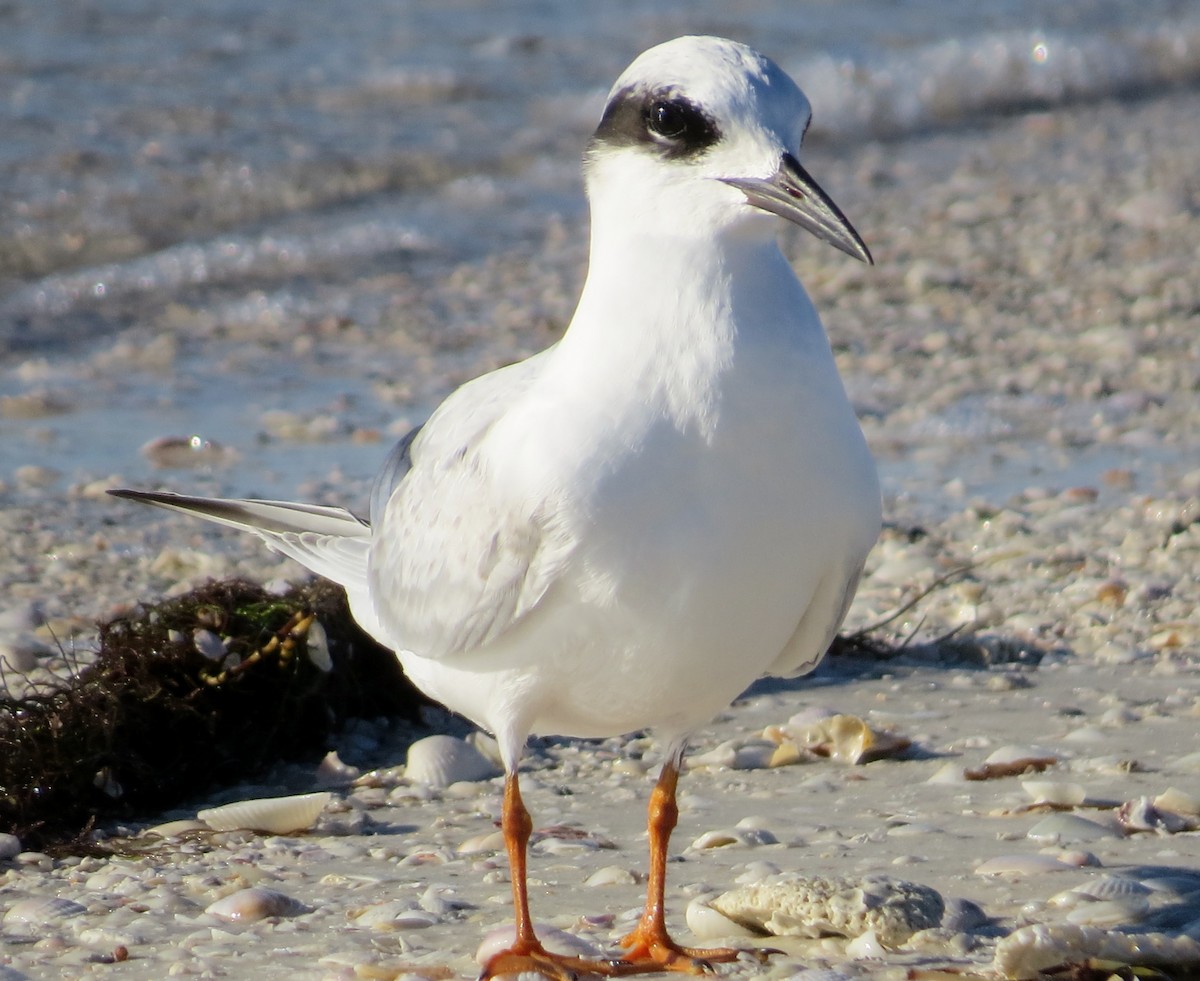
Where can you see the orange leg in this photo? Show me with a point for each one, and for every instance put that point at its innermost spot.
(527, 952)
(649, 947)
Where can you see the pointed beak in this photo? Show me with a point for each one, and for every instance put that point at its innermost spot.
(792, 194)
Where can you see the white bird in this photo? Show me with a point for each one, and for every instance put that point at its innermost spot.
(627, 529)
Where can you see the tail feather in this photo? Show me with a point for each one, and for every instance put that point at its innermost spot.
(330, 541)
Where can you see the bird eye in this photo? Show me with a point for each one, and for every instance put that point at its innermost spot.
(668, 120)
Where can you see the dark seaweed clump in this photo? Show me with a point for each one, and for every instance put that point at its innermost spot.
(153, 722)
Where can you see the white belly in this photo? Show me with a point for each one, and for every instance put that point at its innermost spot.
(701, 559)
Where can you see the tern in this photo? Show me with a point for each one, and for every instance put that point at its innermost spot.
(627, 529)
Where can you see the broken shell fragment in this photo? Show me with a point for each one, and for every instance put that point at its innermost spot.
(274, 815)
(707, 923)
(845, 738)
(815, 906)
(1026, 952)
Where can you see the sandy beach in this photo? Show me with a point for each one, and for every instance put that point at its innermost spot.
(1024, 359)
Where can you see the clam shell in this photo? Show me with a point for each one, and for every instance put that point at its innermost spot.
(255, 903)
(1110, 912)
(1068, 828)
(40, 911)
(274, 815)
(611, 875)
(707, 923)
(438, 761)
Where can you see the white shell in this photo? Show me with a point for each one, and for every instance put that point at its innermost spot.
(1054, 792)
(611, 875)
(1110, 912)
(40, 911)
(1014, 754)
(392, 916)
(438, 761)
(1020, 865)
(1112, 887)
(255, 903)
(316, 643)
(707, 923)
(274, 815)
(865, 946)
(1177, 801)
(1027, 951)
(553, 939)
(489, 841)
(1068, 828)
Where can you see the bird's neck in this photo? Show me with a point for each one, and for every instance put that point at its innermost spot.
(663, 317)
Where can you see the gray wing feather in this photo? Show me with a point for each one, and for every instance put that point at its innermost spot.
(457, 563)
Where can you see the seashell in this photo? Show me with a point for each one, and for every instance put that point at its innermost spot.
(553, 939)
(180, 452)
(753, 871)
(1020, 865)
(1068, 828)
(847, 739)
(716, 839)
(1178, 802)
(866, 946)
(40, 911)
(491, 841)
(1054, 792)
(1112, 887)
(441, 900)
(316, 646)
(1026, 952)
(948, 773)
(438, 761)
(814, 906)
(253, 904)
(1078, 857)
(757, 755)
(274, 815)
(332, 772)
(707, 923)
(1141, 814)
(392, 916)
(611, 875)
(1010, 754)
(173, 829)
(1110, 912)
